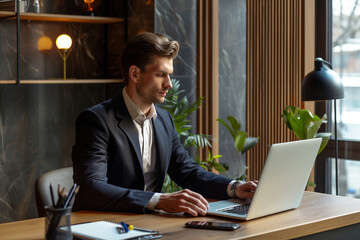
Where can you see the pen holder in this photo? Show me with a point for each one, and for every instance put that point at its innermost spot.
(57, 223)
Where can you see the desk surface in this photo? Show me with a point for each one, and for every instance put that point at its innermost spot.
(316, 213)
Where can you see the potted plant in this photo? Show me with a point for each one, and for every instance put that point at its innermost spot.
(242, 144)
(180, 109)
(305, 125)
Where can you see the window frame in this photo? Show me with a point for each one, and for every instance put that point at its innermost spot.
(347, 149)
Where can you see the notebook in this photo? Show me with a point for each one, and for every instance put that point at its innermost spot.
(282, 182)
(101, 230)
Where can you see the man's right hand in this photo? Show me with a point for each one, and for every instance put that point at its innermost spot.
(183, 201)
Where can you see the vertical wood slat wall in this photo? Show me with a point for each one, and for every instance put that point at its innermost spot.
(279, 54)
(208, 71)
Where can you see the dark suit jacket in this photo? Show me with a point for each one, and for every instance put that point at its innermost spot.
(108, 164)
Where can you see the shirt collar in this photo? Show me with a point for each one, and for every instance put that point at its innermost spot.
(135, 112)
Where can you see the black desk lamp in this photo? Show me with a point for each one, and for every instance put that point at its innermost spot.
(324, 84)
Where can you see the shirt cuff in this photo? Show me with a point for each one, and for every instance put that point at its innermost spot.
(153, 201)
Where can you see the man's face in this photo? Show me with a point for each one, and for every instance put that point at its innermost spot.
(154, 81)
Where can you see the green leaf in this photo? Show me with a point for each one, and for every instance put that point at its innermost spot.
(311, 183)
(297, 121)
(305, 124)
(250, 142)
(198, 140)
(198, 159)
(227, 126)
(240, 140)
(195, 106)
(181, 119)
(204, 167)
(286, 116)
(325, 139)
(234, 123)
(307, 117)
(181, 106)
(313, 127)
(218, 167)
(180, 130)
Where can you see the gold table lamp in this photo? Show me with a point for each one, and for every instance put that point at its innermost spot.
(63, 43)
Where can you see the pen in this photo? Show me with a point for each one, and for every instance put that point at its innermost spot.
(143, 230)
(125, 226)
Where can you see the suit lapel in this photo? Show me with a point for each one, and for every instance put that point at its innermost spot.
(162, 144)
(161, 137)
(126, 125)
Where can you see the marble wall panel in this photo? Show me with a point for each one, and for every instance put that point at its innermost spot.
(232, 73)
(176, 19)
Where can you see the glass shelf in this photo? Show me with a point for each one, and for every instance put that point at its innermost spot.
(4, 15)
(62, 81)
(61, 17)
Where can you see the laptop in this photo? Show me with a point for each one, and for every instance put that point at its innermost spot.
(281, 185)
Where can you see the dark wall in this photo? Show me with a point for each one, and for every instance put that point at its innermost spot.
(37, 120)
(36, 135)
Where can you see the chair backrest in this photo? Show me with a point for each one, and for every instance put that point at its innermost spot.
(62, 176)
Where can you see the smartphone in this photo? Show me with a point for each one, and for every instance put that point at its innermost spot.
(213, 225)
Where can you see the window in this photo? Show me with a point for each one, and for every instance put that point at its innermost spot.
(345, 58)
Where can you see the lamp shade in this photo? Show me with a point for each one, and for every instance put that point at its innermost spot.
(63, 41)
(321, 84)
(44, 44)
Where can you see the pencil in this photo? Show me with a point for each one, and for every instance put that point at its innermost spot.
(52, 195)
(70, 196)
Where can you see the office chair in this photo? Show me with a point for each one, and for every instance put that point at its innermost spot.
(62, 176)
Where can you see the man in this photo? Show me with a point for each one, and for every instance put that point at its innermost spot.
(126, 145)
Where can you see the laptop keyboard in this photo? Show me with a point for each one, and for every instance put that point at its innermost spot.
(241, 209)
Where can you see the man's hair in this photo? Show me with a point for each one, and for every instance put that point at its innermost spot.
(141, 49)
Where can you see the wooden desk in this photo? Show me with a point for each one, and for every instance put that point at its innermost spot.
(317, 213)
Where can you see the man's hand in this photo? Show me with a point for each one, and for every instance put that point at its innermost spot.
(246, 190)
(183, 201)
